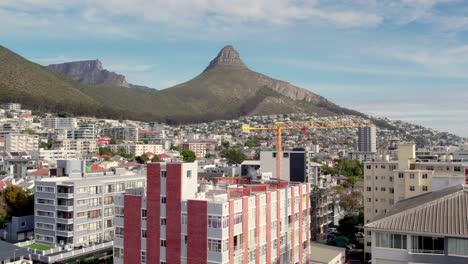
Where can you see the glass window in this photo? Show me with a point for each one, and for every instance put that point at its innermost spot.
(458, 247)
(427, 245)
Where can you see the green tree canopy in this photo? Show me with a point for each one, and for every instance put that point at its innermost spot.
(19, 201)
(234, 155)
(105, 151)
(142, 159)
(188, 155)
(155, 158)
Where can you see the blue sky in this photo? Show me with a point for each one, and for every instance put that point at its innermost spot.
(403, 59)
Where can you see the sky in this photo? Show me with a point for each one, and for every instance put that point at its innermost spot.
(401, 59)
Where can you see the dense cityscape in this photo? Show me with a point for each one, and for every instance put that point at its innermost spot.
(67, 183)
(233, 132)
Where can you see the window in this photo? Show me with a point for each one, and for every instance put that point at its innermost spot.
(369, 189)
(390, 179)
(118, 252)
(45, 213)
(456, 169)
(214, 245)
(383, 189)
(119, 232)
(458, 247)
(45, 226)
(163, 199)
(424, 176)
(163, 174)
(412, 188)
(285, 155)
(238, 218)
(144, 214)
(368, 167)
(163, 221)
(368, 178)
(184, 219)
(108, 200)
(383, 166)
(430, 168)
(391, 190)
(163, 243)
(189, 174)
(401, 175)
(427, 245)
(80, 214)
(45, 201)
(143, 257)
(386, 240)
(424, 188)
(143, 233)
(411, 176)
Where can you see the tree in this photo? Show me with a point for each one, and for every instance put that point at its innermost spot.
(105, 151)
(176, 148)
(251, 144)
(155, 158)
(234, 156)
(8, 115)
(327, 170)
(350, 168)
(209, 155)
(142, 159)
(30, 131)
(349, 200)
(3, 172)
(188, 155)
(19, 201)
(112, 141)
(46, 144)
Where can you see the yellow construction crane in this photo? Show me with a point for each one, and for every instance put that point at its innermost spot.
(279, 126)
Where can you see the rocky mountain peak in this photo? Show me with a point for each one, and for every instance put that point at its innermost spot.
(89, 72)
(227, 56)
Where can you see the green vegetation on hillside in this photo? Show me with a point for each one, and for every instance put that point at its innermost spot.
(217, 93)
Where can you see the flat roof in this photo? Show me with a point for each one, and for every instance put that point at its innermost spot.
(320, 253)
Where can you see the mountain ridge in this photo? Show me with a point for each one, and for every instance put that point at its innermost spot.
(225, 89)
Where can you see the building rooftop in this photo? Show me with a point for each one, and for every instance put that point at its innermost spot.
(443, 212)
(320, 253)
(9, 251)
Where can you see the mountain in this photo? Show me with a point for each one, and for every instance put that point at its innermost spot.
(226, 89)
(92, 72)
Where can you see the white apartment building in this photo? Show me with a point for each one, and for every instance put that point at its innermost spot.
(137, 149)
(21, 142)
(81, 146)
(54, 154)
(79, 211)
(121, 133)
(12, 106)
(68, 123)
(387, 182)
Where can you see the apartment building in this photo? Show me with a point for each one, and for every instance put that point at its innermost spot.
(367, 139)
(121, 133)
(54, 154)
(81, 146)
(78, 210)
(198, 147)
(137, 149)
(68, 123)
(15, 142)
(150, 135)
(296, 165)
(12, 106)
(387, 182)
(84, 131)
(430, 228)
(229, 220)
